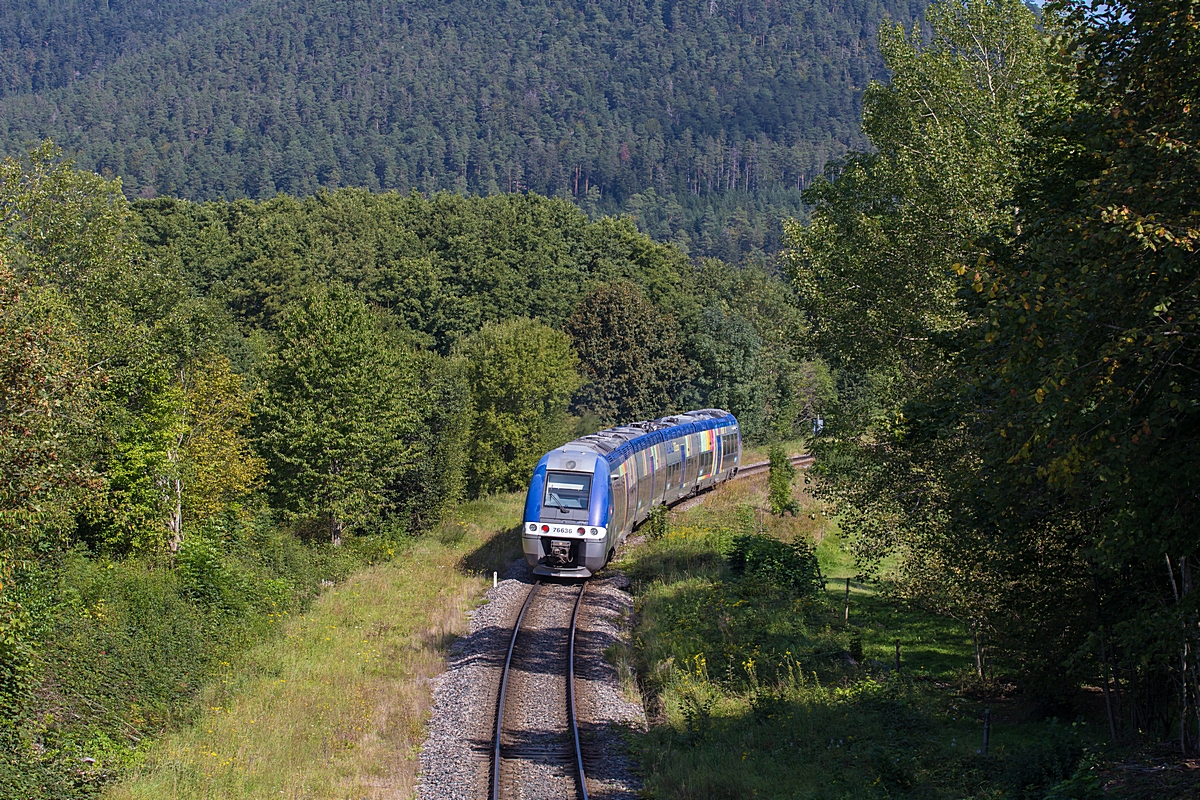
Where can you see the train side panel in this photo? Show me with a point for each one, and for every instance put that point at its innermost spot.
(661, 467)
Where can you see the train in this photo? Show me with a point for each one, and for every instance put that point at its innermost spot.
(587, 496)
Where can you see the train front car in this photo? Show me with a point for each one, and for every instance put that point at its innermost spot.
(566, 513)
(587, 495)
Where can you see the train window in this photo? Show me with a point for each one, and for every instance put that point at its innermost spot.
(567, 491)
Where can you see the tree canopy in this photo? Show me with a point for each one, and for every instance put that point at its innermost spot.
(1016, 410)
(630, 353)
(704, 121)
(211, 408)
(522, 375)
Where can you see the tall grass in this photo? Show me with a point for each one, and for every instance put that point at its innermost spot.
(758, 687)
(335, 705)
(123, 646)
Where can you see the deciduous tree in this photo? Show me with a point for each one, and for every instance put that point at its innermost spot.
(630, 352)
(333, 427)
(522, 375)
(1086, 388)
(879, 272)
(213, 462)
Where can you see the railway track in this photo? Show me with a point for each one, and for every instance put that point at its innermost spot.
(535, 749)
(757, 468)
(765, 466)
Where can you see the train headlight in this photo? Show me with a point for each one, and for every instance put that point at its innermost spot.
(532, 527)
(593, 531)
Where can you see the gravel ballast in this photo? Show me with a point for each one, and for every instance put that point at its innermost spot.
(603, 708)
(455, 760)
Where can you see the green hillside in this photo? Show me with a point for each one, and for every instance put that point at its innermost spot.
(704, 120)
(46, 45)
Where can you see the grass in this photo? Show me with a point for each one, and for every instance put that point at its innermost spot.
(759, 690)
(750, 685)
(335, 706)
(122, 648)
(754, 453)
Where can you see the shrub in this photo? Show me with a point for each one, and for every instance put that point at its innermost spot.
(1051, 767)
(659, 522)
(779, 482)
(788, 566)
(200, 572)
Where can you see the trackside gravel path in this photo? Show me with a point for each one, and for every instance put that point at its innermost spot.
(455, 761)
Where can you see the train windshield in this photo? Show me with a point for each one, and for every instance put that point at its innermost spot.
(568, 491)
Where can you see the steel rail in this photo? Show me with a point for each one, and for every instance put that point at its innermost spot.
(747, 471)
(583, 794)
(503, 687)
(571, 718)
(763, 466)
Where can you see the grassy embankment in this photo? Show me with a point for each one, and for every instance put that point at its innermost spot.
(334, 706)
(755, 453)
(749, 684)
(753, 693)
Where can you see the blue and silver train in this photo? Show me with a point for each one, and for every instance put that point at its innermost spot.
(587, 495)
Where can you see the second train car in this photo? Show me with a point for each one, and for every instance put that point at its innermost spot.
(587, 495)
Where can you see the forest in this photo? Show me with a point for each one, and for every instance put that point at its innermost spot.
(209, 409)
(212, 409)
(702, 121)
(1007, 288)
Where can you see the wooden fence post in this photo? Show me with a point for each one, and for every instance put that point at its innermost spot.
(987, 729)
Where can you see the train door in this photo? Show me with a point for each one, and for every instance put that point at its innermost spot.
(715, 444)
(704, 462)
(674, 470)
(681, 467)
(616, 525)
(645, 484)
(691, 474)
(661, 474)
(631, 510)
(685, 463)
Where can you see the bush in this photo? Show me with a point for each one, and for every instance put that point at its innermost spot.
(779, 482)
(1051, 768)
(123, 647)
(201, 575)
(15, 654)
(788, 566)
(659, 522)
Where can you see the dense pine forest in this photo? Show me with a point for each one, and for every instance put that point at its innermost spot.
(704, 121)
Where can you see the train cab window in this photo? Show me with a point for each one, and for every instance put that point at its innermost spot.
(567, 491)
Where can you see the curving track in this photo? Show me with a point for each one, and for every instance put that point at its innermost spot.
(748, 471)
(535, 748)
(765, 466)
(536, 751)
